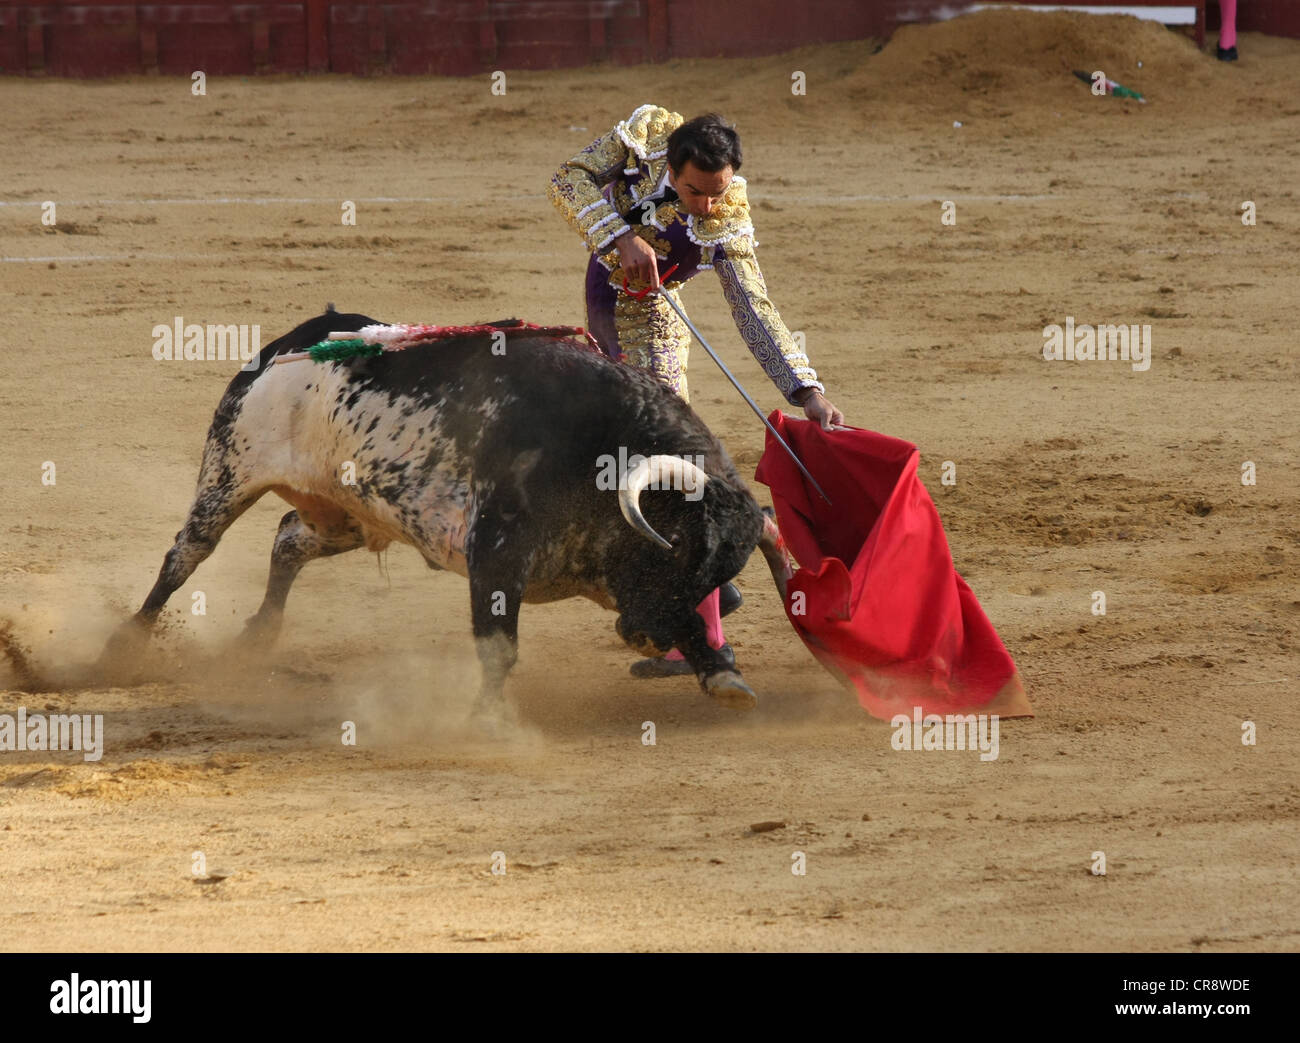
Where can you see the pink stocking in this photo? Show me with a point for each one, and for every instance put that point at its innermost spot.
(1227, 23)
(710, 611)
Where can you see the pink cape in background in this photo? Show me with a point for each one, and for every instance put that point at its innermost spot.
(876, 597)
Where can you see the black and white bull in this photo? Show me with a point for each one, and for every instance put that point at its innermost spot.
(487, 463)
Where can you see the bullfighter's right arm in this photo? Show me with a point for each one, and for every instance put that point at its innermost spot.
(576, 191)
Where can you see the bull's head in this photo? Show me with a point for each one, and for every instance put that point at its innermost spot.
(709, 529)
(710, 541)
(685, 476)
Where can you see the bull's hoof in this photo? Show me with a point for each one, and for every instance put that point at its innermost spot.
(260, 631)
(493, 717)
(644, 669)
(124, 647)
(490, 727)
(729, 689)
(664, 667)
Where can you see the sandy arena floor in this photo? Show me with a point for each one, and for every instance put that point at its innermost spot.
(1072, 478)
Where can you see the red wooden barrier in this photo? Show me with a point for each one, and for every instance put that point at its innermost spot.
(448, 37)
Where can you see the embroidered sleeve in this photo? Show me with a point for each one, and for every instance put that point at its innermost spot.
(576, 191)
(759, 322)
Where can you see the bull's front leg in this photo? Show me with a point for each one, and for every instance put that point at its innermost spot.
(652, 627)
(717, 673)
(498, 563)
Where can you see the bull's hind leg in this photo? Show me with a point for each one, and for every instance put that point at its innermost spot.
(296, 543)
(219, 502)
(207, 523)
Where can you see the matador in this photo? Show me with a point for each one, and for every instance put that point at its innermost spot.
(659, 194)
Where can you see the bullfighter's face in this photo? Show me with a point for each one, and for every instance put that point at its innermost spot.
(699, 190)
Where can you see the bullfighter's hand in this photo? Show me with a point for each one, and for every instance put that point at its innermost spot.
(638, 259)
(819, 408)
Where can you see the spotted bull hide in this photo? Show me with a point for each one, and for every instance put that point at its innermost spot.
(489, 464)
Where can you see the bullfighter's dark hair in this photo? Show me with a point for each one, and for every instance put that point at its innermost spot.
(708, 141)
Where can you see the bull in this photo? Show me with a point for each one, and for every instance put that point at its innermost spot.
(487, 464)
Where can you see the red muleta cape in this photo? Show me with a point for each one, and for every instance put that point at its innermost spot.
(882, 606)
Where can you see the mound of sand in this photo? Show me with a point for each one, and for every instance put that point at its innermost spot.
(1023, 60)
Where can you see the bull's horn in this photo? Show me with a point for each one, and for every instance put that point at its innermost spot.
(656, 469)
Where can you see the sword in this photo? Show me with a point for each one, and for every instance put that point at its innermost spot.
(728, 374)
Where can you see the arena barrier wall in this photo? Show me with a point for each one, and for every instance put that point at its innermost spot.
(89, 38)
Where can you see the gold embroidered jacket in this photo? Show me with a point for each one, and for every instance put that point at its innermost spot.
(611, 176)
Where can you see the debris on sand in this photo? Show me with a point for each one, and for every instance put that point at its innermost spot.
(19, 656)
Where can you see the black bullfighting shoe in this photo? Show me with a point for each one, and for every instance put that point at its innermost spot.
(729, 599)
(647, 668)
(1228, 54)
